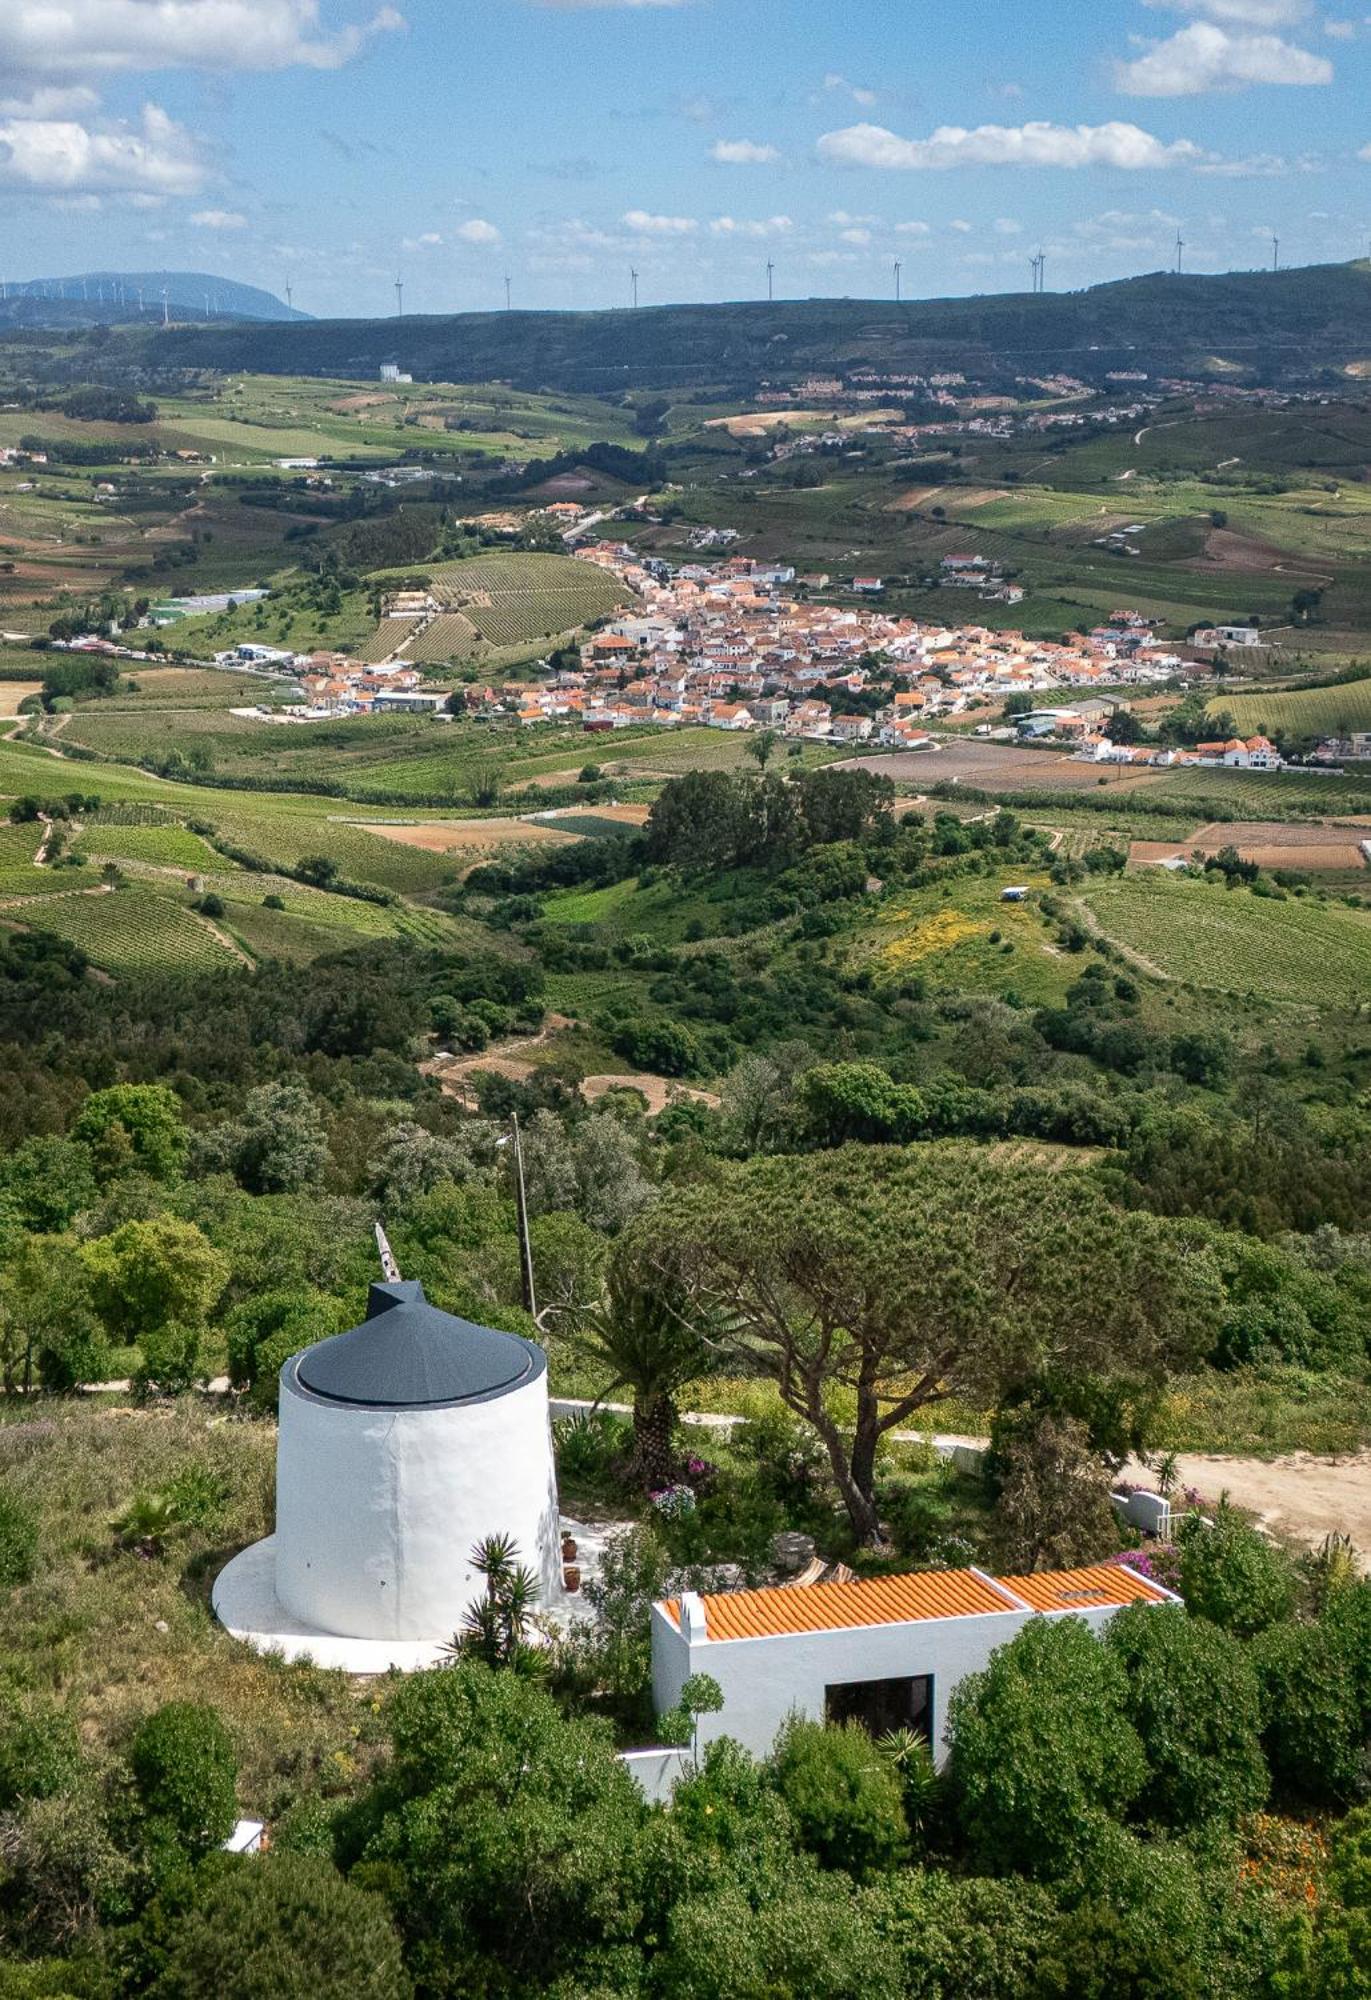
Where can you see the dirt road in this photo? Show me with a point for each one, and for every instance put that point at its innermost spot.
(1299, 1495)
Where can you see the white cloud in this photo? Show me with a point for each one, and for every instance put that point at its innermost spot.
(1242, 13)
(730, 225)
(844, 220)
(1364, 153)
(477, 231)
(50, 101)
(861, 237)
(644, 224)
(219, 218)
(1005, 225)
(1034, 145)
(912, 229)
(42, 38)
(63, 156)
(1340, 31)
(856, 91)
(1206, 57)
(430, 240)
(585, 6)
(742, 153)
(962, 227)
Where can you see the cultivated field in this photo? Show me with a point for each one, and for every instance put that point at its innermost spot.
(1299, 951)
(1270, 843)
(1325, 711)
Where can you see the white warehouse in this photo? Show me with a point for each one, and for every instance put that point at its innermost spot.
(402, 1444)
(888, 1652)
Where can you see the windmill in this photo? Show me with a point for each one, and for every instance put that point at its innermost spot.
(166, 313)
(1275, 252)
(633, 279)
(897, 281)
(770, 271)
(399, 298)
(290, 297)
(507, 294)
(1180, 247)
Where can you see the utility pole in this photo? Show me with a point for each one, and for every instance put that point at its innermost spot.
(897, 281)
(399, 298)
(507, 295)
(521, 1200)
(770, 269)
(633, 275)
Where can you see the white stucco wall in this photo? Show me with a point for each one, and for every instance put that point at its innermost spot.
(766, 1681)
(377, 1511)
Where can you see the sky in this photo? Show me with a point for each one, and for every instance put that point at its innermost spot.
(334, 145)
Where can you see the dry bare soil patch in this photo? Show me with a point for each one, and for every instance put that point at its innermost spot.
(1270, 843)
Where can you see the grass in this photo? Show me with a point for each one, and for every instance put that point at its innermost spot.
(968, 939)
(115, 1634)
(1299, 951)
(1264, 1413)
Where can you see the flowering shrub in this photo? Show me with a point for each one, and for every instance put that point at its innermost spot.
(1159, 1562)
(673, 1502)
(701, 1474)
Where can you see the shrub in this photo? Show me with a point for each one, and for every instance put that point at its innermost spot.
(1043, 1753)
(1313, 1734)
(185, 1771)
(40, 1754)
(284, 1927)
(844, 1797)
(1233, 1576)
(1194, 1700)
(18, 1539)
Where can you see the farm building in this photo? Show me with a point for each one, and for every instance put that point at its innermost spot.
(888, 1652)
(403, 1443)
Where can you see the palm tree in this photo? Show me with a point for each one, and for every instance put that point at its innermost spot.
(646, 1333)
(761, 747)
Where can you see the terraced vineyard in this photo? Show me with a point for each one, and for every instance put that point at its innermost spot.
(451, 636)
(1301, 951)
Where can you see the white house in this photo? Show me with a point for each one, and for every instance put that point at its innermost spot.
(888, 1652)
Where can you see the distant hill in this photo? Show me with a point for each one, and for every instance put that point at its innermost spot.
(1297, 328)
(116, 298)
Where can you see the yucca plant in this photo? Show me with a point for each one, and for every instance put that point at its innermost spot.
(148, 1521)
(910, 1757)
(496, 1625)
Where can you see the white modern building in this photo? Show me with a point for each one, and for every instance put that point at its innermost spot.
(888, 1652)
(402, 1444)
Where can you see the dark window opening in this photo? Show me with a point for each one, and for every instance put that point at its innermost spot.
(881, 1706)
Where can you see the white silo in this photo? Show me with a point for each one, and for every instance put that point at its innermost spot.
(402, 1444)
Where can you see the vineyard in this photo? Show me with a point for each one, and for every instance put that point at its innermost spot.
(1325, 711)
(129, 930)
(1300, 950)
(449, 637)
(167, 846)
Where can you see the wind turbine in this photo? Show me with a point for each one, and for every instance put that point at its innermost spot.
(1180, 246)
(633, 277)
(897, 281)
(1275, 252)
(770, 269)
(507, 294)
(166, 315)
(290, 297)
(399, 298)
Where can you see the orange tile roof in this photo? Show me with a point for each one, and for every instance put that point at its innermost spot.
(833, 1607)
(899, 1600)
(1083, 1589)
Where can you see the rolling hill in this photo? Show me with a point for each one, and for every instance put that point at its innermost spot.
(117, 298)
(1295, 327)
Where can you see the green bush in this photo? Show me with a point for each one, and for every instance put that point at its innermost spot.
(1233, 1576)
(1313, 1734)
(283, 1927)
(18, 1539)
(40, 1753)
(1194, 1700)
(1043, 1752)
(185, 1772)
(843, 1796)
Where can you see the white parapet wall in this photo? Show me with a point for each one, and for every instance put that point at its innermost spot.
(378, 1510)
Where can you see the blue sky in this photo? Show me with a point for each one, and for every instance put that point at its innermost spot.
(335, 143)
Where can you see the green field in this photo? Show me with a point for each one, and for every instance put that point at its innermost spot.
(1325, 711)
(1299, 951)
(127, 930)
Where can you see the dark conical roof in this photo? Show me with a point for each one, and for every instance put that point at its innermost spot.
(406, 1354)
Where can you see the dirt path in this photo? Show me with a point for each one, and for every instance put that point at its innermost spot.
(658, 1091)
(1299, 1495)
